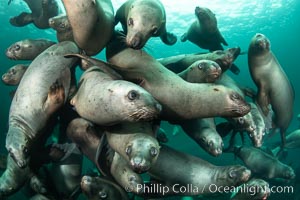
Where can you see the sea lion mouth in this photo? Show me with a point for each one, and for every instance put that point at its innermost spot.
(145, 113)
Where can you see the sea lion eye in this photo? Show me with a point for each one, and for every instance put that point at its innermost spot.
(232, 174)
(210, 144)
(200, 66)
(154, 31)
(62, 25)
(17, 47)
(13, 71)
(128, 150)
(130, 22)
(132, 95)
(102, 195)
(235, 96)
(153, 151)
(241, 120)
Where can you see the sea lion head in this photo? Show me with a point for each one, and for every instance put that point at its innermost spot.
(260, 43)
(17, 146)
(139, 105)
(144, 20)
(237, 174)
(60, 23)
(239, 107)
(207, 18)
(96, 188)
(225, 58)
(261, 188)
(14, 75)
(208, 69)
(211, 142)
(142, 153)
(15, 51)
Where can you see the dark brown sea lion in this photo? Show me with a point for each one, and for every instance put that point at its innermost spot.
(204, 31)
(203, 131)
(105, 101)
(136, 142)
(179, 63)
(194, 171)
(41, 11)
(92, 22)
(41, 92)
(264, 69)
(27, 49)
(14, 74)
(180, 99)
(262, 164)
(142, 19)
(96, 188)
(62, 27)
(202, 71)
(255, 189)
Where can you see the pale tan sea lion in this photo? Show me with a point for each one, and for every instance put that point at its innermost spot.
(62, 27)
(28, 49)
(136, 142)
(142, 19)
(105, 101)
(204, 31)
(202, 71)
(180, 62)
(41, 11)
(180, 99)
(14, 74)
(273, 85)
(92, 22)
(41, 92)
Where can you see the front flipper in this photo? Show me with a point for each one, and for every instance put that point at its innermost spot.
(22, 20)
(55, 98)
(183, 38)
(263, 101)
(168, 38)
(234, 69)
(37, 185)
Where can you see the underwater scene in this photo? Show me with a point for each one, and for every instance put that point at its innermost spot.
(150, 99)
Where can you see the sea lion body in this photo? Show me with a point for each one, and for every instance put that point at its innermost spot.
(14, 74)
(62, 27)
(28, 49)
(96, 188)
(41, 92)
(104, 101)
(136, 142)
(92, 22)
(41, 11)
(180, 99)
(142, 19)
(264, 69)
(204, 31)
(194, 171)
(202, 71)
(263, 164)
(180, 62)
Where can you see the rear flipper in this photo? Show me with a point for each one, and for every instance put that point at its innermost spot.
(168, 38)
(21, 20)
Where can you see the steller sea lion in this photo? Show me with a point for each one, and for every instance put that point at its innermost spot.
(27, 49)
(62, 27)
(142, 19)
(180, 99)
(203, 131)
(105, 101)
(202, 71)
(41, 11)
(95, 188)
(191, 170)
(41, 92)
(14, 74)
(180, 62)
(136, 142)
(92, 22)
(204, 31)
(262, 164)
(264, 69)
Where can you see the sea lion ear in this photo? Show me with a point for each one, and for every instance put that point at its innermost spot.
(232, 174)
